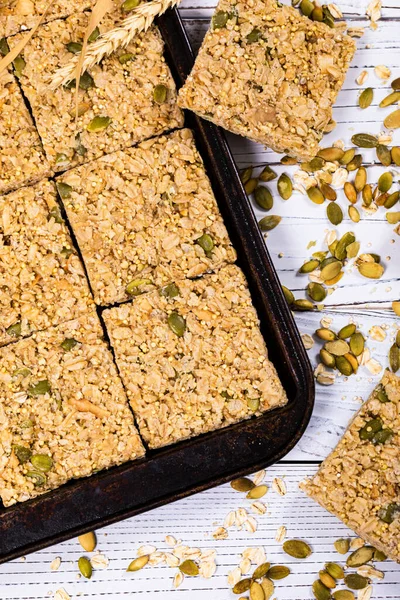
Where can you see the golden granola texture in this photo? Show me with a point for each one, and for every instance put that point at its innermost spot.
(269, 74)
(216, 373)
(61, 400)
(359, 481)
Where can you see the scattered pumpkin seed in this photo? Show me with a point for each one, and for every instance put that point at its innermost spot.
(278, 572)
(327, 358)
(355, 581)
(352, 249)
(392, 200)
(394, 358)
(189, 567)
(85, 567)
(269, 222)
(384, 155)
(288, 295)
(288, 160)
(327, 579)
(267, 174)
(328, 191)
(37, 477)
(177, 323)
(160, 93)
(40, 388)
(347, 331)
(392, 121)
(347, 156)
(306, 7)
(354, 214)
(315, 195)
(365, 140)
(316, 291)
(371, 270)
(261, 570)
(138, 563)
(357, 343)
(309, 266)
(256, 591)
(342, 545)
(385, 182)
(320, 591)
(243, 484)
(242, 586)
(301, 304)
(379, 556)
(246, 174)
(98, 124)
(337, 347)
(88, 541)
(334, 213)
(393, 217)
(360, 179)
(396, 84)
(285, 186)
(263, 198)
(344, 366)
(354, 164)
(268, 588)
(331, 270)
(350, 192)
(396, 155)
(346, 239)
(326, 334)
(15, 330)
(366, 97)
(250, 185)
(396, 308)
(392, 98)
(257, 492)
(297, 548)
(334, 570)
(220, 19)
(360, 556)
(22, 453)
(129, 5)
(331, 154)
(343, 595)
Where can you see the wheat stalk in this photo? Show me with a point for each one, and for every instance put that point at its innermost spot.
(119, 37)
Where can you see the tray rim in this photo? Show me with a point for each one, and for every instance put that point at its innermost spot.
(174, 34)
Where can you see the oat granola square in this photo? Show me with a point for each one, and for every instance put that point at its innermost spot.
(129, 97)
(192, 357)
(359, 481)
(269, 74)
(145, 217)
(22, 159)
(63, 410)
(42, 279)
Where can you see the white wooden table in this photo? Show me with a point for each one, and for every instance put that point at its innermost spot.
(194, 519)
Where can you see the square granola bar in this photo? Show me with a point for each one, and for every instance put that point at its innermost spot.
(63, 410)
(22, 159)
(269, 74)
(17, 15)
(129, 97)
(359, 481)
(42, 279)
(192, 357)
(145, 217)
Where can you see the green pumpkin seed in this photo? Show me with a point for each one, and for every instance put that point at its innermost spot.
(347, 156)
(398, 339)
(207, 243)
(189, 567)
(334, 213)
(342, 545)
(350, 192)
(94, 35)
(309, 266)
(278, 572)
(261, 570)
(334, 570)
(138, 563)
(160, 93)
(302, 305)
(337, 347)
(347, 331)
(242, 586)
(42, 462)
(316, 291)
(263, 198)
(250, 185)
(268, 588)
(297, 548)
(393, 218)
(352, 249)
(366, 97)
(88, 541)
(344, 366)
(288, 160)
(37, 477)
(315, 164)
(327, 358)
(64, 190)
(365, 140)
(394, 358)
(396, 84)
(371, 270)
(355, 581)
(367, 195)
(61, 158)
(256, 591)
(85, 567)
(382, 395)
(79, 147)
(306, 7)
(383, 436)
(326, 334)
(396, 155)
(385, 182)
(354, 214)
(270, 222)
(392, 98)
(317, 14)
(219, 19)
(177, 323)
(343, 595)
(379, 556)
(255, 493)
(320, 591)
(370, 429)
(389, 513)
(170, 291)
(19, 66)
(328, 191)
(331, 270)
(360, 179)
(327, 579)
(4, 47)
(254, 36)
(315, 195)
(133, 287)
(129, 5)
(391, 200)
(40, 388)
(331, 154)
(354, 164)
(68, 344)
(86, 82)
(22, 453)
(285, 186)
(125, 58)
(340, 250)
(392, 121)
(246, 174)
(288, 295)
(384, 155)
(14, 330)
(55, 213)
(253, 403)
(74, 47)
(360, 557)
(98, 124)
(242, 484)
(267, 174)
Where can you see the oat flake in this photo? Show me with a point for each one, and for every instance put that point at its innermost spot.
(377, 333)
(259, 477)
(362, 77)
(280, 534)
(55, 564)
(279, 486)
(234, 576)
(365, 594)
(307, 341)
(61, 594)
(178, 579)
(382, 72)
(220, 533)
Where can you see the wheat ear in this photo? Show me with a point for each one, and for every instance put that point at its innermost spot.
(119, 37)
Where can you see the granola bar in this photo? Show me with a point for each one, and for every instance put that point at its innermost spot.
(127, 98)
(269, 74)
(41, 277)
(192, 357)
(145, 217)
(22, 159)
(63, 410)
(359, 481)
(17, 15)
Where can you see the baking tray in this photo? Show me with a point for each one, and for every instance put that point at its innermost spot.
(191, 466)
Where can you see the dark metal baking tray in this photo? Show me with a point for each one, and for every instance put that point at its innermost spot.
(211, 459)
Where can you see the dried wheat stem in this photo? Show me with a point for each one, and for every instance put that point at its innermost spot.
(119, 37)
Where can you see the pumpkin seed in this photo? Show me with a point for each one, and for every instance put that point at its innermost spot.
(392, 121)
(129, 5)
(220, 19)
(42, 462)
(391, 200)
(327, 358)
(256, 591)
(342, 545)
(160, 93)
(397, 344)
(396, 155)
(19, 66)
(94, 35)
(317, 14)
(331, 154)
(360, 556)
(357, 343)
(250, 186)
(385, 182)
(85, 567)
(334, 570)
(278, 572)
(382, 395)
(243, 484)
(315, 164)
(4, 47)
(253, 403)
(347, 157)
(74, 47)
(344, 366)
(263, 198)
(379, 556)
(37, 477)
(14, 330)
(343, 595)
(242, 586)
(64, 190)
(170, 291)
(354, 214)
(98, 124)
(22, 453)
(301, 304)
(355, 581)
(370, 429)
(254, 36)
(309, 266)
(352, 249)
(189, 567)
(396, 84)
(392, 98)
(261, 570)
(257, 492)
(40, 388)
(206, 242)
(396, 308)
(394, 358)
(384, 155)
(138, 563)
(365, 140)
(288, 295)
(390, 513)
(320, 591)
(288, 160)
(337, 347)
(133, 287)
(315, 195)
(88, 541)
(125, 58)
(334, 213)
(327, 579)
(306, 7)
(350, 192)
(285, 186)
(177, 323)
(22, 372)
(267, 174)
(85, 83)
(331, 270)
(360, 179)
(347, 331)
(79, 147)
(383, 436)
(328, 191)
(297, 548)
(68, 344)
(326, 334)
(352, 360)
(393, 218)
(246, 174)
(371, 270)
(268, 588)
(354, 164)
(270, 222)
(316, 291)
(340, 250)
(367, 195)
(366, 97)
